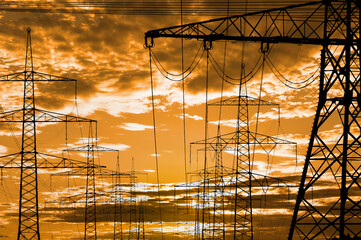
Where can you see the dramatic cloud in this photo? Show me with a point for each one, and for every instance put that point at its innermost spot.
(105, 54)
(135, 127)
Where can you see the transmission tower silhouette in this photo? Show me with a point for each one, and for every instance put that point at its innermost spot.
(136, 208)
(91, 195)
(30, 159)
(241, 180)
(334, 25)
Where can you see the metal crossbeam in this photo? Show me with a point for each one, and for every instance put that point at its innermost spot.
(40, 115)
(302, 23)
(44, 160)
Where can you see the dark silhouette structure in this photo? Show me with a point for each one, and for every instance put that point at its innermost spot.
(29, 160)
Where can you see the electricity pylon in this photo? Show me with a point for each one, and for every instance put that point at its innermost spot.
(90, 231)
(335, 26)
(116, 177)
(30, 158)
(242, 178)
(136, 212)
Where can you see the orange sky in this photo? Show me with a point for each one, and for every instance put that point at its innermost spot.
(105, 54)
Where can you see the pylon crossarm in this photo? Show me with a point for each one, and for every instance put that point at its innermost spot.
(50, 161)
(260, 139)
(67, 200)
(19, 76)
(242, 100)
(12, 116)
(11, 162)
(231, 139)
(212, 171)
(101, 172)
(78, 198)
(48, 78)
(92, 147)
(48, 116)
(38, 77)
(301, 23)
(43, 161)
(41, 116)
(267, 181)
(257, 181)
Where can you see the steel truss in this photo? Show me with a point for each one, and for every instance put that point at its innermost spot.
(239, 180)
(91, 194)
(30, 158)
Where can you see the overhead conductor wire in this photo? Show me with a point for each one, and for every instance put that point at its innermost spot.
(264, 53)
(219, 162)
(205, 176)
(185, 73)
(184, 120)
(155, 142)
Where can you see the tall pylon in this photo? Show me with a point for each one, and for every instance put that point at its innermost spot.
(30, 158)
(28, 203)
(239, 180)
(336, 216)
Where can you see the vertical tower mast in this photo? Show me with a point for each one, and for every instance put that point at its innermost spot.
(133, 226)
(90, 198)
(339, 160)
(28, 203)
(243, 198)
(29, 160)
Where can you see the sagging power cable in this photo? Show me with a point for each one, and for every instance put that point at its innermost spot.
(287, 82)
(155, 142)
(221, 73)
(185, 73)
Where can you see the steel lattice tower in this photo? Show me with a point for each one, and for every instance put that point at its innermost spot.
(30, 159)
(339, 159)
(28, 203)
(133, 233)
(116, 199)
(241, 179)
(90, 231)
(140, 230)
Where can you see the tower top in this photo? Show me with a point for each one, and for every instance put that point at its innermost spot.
(29, 53)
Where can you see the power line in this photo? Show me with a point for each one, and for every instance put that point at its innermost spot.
(161, 7)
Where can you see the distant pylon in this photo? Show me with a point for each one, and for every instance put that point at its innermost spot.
(133, 226)
(241, 179)
(90, 231)
(116, 199)
(136, 211)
